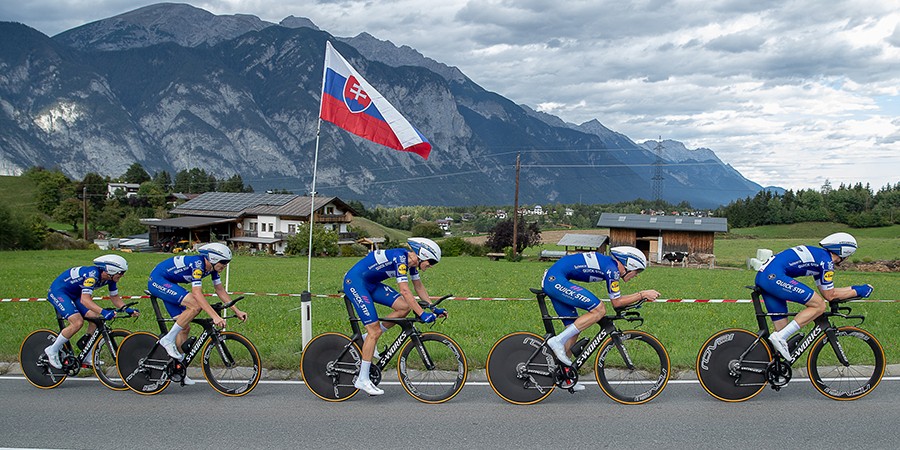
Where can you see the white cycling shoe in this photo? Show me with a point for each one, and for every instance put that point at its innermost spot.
(171, 349)
(781, 345)
(578, 387)
(559, 350)
(366, 385)
(188, 381)
(53, 358)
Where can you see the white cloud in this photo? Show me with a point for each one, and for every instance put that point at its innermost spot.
(789, 93)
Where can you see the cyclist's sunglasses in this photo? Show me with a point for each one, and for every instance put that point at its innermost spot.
(224, 262)
(432, 261)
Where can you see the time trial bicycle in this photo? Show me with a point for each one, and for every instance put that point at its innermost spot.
(104, 342)
(230, 362)
(632, 367)
(844, 362)
(432, 367)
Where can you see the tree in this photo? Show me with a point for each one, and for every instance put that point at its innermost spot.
(234, 184)
(52, 187)
(324, 242)
(194, 181)
(163, 180)
(96, 189)
(501, 236)
(427, 229)
(135, 174)
(71, 211)
(152, 194)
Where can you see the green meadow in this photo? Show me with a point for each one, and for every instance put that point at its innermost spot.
(274, 323)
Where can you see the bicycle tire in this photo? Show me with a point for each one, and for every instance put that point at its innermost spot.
(133, 360)
(439, 384)
(717, 368)
(35, 367)
(232, 367)
(835, 381)
(104, 360)
(506, 365)
(637, 385)
(327, 377)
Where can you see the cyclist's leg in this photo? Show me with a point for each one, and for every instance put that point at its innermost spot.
(565, 296)
(359, 294)
(66, 309)
(172, 296)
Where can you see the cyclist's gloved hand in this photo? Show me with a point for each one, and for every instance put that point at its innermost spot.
(131, 311)
(439, 311)
(108, 313)
(863, 290)
(427, 317)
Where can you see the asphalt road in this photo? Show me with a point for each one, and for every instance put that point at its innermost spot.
(81, 413)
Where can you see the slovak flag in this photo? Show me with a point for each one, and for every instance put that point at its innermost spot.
(351, 103)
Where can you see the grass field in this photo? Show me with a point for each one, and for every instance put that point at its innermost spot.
(274, 324)
(18, 194)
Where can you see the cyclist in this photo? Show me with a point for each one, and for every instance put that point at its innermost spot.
(184, 306)
(71, 293)
(623, 264)
(363, 285)
(776, 279)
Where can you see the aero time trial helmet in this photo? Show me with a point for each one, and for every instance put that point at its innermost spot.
(425, 249)
(216, 252)
(841, 244)
(111, 264)
(630, 257)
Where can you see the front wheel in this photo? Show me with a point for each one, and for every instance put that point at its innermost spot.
(35, 367)
(722, 371)
(329, 365)
(520, 369)
(435, 372)
(232, 366)
(863, 373)
(142, 363)
(632, 367)
(104, 360)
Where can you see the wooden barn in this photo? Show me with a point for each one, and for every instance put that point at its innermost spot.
(665, 238)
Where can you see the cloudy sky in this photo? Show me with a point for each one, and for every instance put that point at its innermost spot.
(789, 92)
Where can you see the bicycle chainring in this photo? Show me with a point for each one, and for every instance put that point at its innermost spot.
(778, 373)
(375, 374)
(566, 376)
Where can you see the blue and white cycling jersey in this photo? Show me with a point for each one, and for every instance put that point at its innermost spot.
(587, 267)
(776, 276)
(166, 276)
(184, 269)
(363, 282)
(66, 290)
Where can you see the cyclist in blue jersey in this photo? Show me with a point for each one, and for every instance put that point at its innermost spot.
(71, 293)
(776, 278)
(623, 264)
(184, 306)
(363, 285)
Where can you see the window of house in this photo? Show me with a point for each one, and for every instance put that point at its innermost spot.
(329, 210)
(292, 228)
(252, 226)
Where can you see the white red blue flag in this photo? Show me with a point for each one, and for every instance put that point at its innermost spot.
(351, 103)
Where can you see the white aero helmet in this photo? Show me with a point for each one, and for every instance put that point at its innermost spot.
(425, 249)
(630, 257)
(111, 264)
(216, 252)
(841, 244)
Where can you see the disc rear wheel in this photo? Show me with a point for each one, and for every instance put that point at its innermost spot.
(35, 367)
(142, 371)
(329, 367)
(722, 371)
(520, 368)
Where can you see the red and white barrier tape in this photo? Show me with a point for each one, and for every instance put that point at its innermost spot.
(269, 294)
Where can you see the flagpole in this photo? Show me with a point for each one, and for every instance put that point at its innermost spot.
(306, 297)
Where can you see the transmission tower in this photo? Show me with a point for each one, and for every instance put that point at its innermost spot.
(658, 173)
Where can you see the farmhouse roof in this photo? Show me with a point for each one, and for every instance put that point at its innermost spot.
(583, 240)
(671, 223)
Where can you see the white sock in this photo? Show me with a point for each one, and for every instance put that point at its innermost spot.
(789, 330)
(172, 334)
(364, 367)
(58, 344)
(383, 328)
(568, 333)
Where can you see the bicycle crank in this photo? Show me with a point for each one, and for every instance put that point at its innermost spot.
(778, 373)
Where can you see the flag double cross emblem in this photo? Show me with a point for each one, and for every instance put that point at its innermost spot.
(356, 99)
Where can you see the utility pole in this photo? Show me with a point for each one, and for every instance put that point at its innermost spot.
(516, 209)
(658, 174)
(84, 211)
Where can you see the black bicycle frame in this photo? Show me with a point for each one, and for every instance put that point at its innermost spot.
(408, 331)
(607, 328)
(101, 330)
(822, 325)
(209, 332)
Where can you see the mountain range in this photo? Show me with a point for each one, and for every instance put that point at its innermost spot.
(175, 87)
